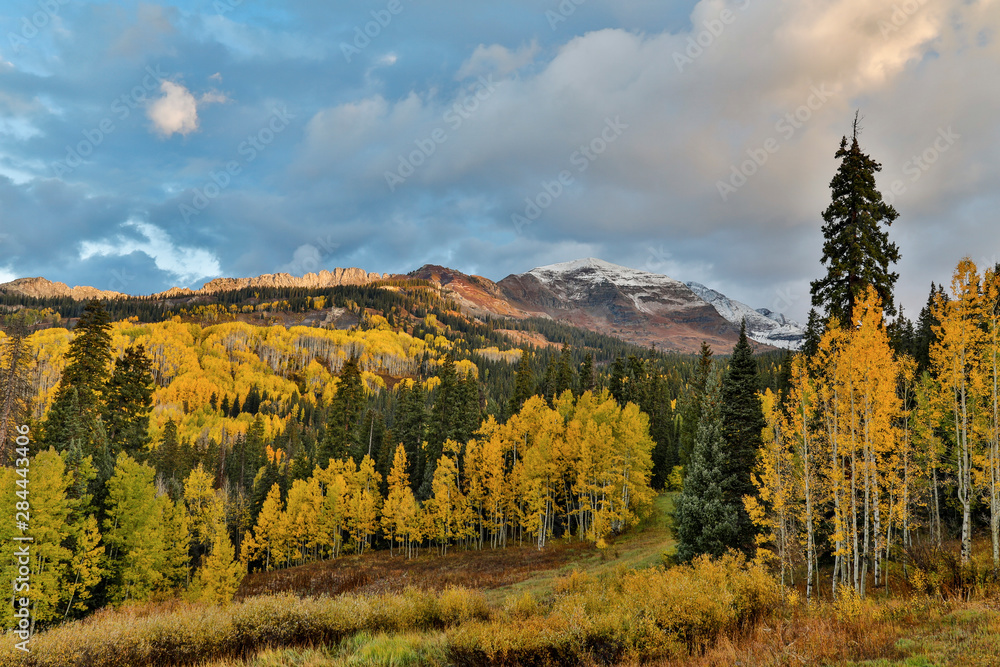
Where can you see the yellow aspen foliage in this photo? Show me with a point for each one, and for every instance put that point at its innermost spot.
(176, 544)
(446, 508)
(956, 360)
(220, 576)
(305, 501)
(773, 508)
(270, 536)
(364, 502)
(205, 506)
(335, 480)
(397, 512)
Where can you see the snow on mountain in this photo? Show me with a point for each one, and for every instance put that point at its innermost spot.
(763, 325)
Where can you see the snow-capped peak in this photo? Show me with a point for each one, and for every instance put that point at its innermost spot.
(763, 325)
(601, 270)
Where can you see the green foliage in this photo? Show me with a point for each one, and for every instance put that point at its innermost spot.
(704, 518)
(857, 252)
(127, 403)
(133, 531)
(742, 424)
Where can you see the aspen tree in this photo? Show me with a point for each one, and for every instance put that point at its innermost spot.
(955, 357)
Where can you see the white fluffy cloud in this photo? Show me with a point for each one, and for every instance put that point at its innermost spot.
(176, 111)
(185, 265)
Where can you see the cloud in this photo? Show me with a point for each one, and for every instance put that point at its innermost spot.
(7, 274)
(177, 110)
(184, 264)
(497, 59)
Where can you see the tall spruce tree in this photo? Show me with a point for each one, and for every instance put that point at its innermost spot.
(857, 252)
(691, 403)
(81, 386)
(128, 402)
(524, 383)
(587, 373)
(346, 411)
(742, 425)
(704, 521)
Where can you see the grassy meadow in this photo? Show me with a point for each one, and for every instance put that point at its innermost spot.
(571, 604)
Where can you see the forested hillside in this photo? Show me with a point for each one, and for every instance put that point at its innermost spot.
(177, 445)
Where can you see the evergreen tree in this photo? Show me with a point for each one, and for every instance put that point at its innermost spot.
(565, 376)
(411, 427)
(76, 409)
(616, 383)
(704, 521)
(128, 402)
(856, 252)
(927, 324)
(813, 334)
(691, 405)
(445, 423)
(345, 413)
(742, 425)
(587, 373)
(524, 383)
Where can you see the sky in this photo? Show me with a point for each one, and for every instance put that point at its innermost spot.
(148, 145)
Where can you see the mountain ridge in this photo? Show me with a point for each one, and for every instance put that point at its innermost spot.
(640, 307)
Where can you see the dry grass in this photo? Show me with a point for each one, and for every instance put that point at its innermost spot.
(378, 572)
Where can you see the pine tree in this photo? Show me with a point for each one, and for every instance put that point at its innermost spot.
(524, 383)
(856, 252)
(565, 376)
(445, 422)
(76, 409)
(128, 402)
(691, 405)
(345, 413)
(813, 333)
(411, 428)
(587, 373)
(742, 426)
(705, 522)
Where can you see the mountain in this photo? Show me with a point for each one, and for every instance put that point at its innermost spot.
(763, 325)
(40, 288)
(324, 278)
(641, 307)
